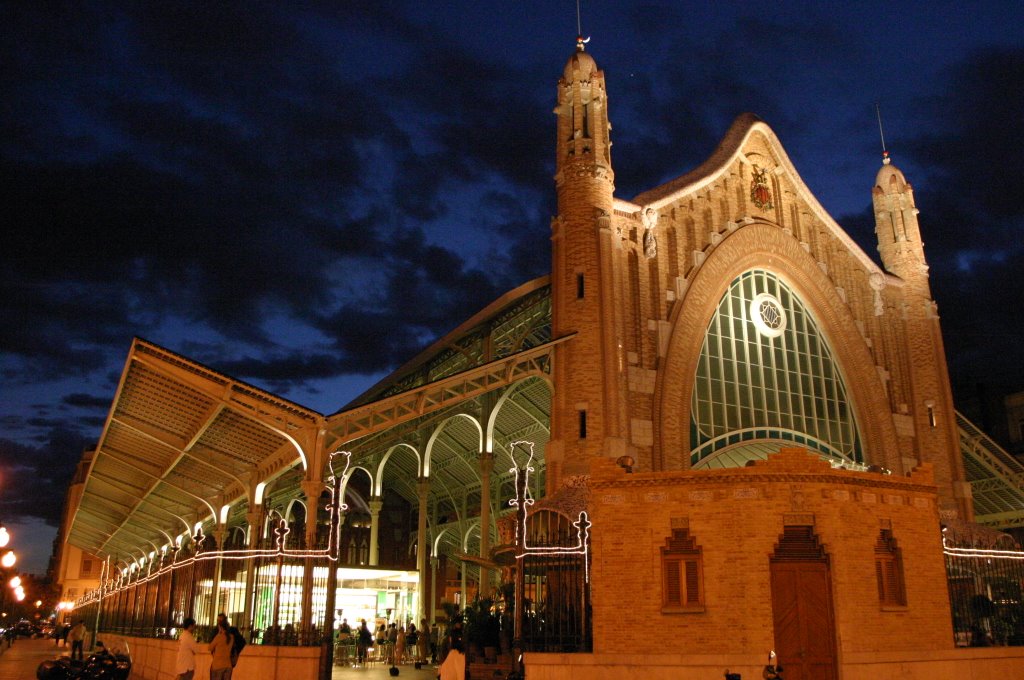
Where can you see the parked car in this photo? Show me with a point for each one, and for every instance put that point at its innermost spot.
(25, 628)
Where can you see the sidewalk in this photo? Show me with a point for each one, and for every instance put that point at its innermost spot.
(377, 671)
(21, 660)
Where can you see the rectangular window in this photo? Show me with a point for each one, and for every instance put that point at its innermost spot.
(579, 286)
(683, 583)
(583, 424)
(86, 568)
(889, 571)
(682, 574)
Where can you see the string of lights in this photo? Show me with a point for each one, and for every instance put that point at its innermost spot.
(126, 578)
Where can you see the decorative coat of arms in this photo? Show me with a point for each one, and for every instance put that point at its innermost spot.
(760, 194)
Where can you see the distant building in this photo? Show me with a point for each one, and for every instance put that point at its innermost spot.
(1015, 421)
(76, 571)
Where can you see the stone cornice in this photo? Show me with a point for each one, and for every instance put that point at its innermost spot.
(741, 476)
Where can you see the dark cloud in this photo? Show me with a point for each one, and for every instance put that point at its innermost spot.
(35, 478)
(87, 401)
(971, 216)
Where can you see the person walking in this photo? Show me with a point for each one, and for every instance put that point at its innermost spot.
(221, 647)
(185, 664)
(77, 638)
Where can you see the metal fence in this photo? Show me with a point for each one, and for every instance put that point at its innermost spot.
(264, 592)
(985, 574)
(557, 616)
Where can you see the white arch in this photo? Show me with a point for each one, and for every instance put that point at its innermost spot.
(469, 531)
(506, 395)
(437, 433)
(437, 541)
(257, 494)
(351, 473)
(378, 485)
(291, 504)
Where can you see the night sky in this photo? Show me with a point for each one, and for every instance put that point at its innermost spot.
(302, 195)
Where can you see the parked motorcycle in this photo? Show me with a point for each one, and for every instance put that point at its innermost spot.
(104, 664)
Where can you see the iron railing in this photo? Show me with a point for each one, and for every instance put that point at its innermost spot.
(985, 574)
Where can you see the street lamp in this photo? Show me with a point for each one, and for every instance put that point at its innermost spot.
(5, 537)
(8, 560)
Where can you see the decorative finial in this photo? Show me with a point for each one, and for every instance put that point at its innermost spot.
(885, 152)
(580, 42)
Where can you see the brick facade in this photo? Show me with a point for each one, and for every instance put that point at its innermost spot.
(736, 516)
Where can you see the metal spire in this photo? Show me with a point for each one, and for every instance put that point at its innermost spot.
(580, 40)
(885, 152)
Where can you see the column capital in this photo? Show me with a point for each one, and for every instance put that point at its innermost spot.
(486, 462)
(312, 488)
(423, 486)
(376, 505)
(254, 517)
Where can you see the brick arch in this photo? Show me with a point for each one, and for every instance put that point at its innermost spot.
(766, 246)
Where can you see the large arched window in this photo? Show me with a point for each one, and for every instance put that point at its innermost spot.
(766, 377)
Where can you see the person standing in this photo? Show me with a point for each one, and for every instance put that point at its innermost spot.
(237, 640)
(454, 665)
(399, 647)
(364, 641)
(422, 642)
(220, 652)
(77, 638)
(185, 664)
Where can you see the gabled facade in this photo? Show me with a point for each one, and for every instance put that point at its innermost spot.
(661, 292)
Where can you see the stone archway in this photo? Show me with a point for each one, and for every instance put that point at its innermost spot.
(762, 245)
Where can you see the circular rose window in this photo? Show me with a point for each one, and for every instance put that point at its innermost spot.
(767, 314)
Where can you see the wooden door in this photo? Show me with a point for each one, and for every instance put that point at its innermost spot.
(804, 625)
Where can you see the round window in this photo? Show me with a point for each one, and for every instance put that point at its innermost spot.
(767, 314)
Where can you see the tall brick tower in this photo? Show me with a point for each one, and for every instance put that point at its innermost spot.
(935, 438)
(587, 410)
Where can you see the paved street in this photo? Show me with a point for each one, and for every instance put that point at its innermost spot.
(20, 661)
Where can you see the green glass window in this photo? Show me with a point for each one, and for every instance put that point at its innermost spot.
(765, 378)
